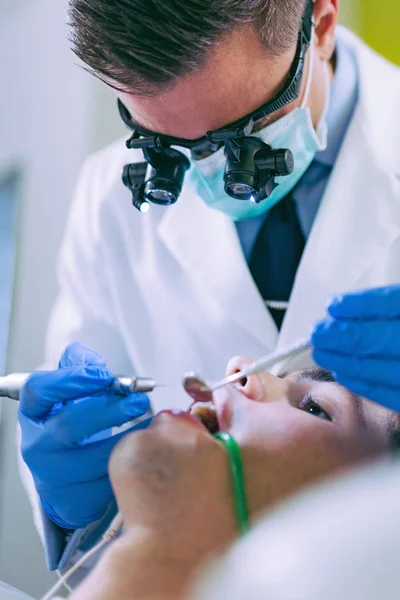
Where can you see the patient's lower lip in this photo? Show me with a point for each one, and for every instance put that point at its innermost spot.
(180, 414)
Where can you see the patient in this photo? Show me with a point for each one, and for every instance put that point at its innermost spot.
(173, 486)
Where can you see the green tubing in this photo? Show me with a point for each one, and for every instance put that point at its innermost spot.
(239, 492)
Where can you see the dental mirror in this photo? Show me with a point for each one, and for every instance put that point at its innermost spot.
(196, 387)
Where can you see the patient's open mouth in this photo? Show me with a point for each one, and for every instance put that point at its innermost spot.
(203, 407)
(207, 414)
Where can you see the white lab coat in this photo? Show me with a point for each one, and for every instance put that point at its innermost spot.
(170, 291)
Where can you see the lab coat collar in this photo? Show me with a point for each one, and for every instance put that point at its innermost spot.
(205, 244)
(379, 94)
(357, 222)
(343, 99)
(358, 218)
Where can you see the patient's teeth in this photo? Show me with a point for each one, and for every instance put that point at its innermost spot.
(200, 405)
(207, 414)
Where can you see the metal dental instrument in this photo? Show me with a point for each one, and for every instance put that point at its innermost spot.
(196, 387)
(10, 385)
(194, 384)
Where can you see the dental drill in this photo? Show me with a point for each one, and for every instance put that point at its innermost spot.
(11, 385)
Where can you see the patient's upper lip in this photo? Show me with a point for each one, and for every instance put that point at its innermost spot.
(180, 414)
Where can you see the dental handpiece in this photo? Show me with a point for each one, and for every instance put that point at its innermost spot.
(10, 385)
(263, 364)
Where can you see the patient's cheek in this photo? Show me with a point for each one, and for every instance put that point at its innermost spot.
(281, 460)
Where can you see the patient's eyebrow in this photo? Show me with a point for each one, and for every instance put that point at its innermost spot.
(315, 374)
(322, 376)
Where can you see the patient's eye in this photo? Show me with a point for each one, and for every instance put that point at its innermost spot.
(308, 404)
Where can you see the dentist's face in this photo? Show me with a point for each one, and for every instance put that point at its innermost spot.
(239, 77)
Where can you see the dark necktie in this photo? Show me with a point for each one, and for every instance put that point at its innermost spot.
(276, 255)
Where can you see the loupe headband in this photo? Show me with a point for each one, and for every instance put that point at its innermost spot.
(243, 127)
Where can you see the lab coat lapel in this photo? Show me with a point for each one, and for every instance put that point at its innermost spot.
(206, 245)
(358, 219)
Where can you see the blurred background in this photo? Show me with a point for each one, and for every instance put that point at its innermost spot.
(52, 115)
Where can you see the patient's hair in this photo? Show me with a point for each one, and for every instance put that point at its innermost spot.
(394, 427)
(142, 46)
(394, 433)
(317, 374)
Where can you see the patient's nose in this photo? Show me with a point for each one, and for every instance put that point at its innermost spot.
(263, 387)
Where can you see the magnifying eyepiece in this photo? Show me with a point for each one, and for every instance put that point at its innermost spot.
(160, 195)
(162, 191)
(164, 179)
(251, 168)
(159, 180)
(241, 190)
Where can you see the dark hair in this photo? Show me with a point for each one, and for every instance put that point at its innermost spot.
(318, 374)
(394, 433)
(142, 46)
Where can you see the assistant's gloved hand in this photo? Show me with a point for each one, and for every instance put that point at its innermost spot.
(360, 343)
(58, 412)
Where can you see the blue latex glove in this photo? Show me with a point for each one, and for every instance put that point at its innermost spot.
(58, 412)
(360, 343)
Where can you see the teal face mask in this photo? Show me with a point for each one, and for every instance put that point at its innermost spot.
(294, 131)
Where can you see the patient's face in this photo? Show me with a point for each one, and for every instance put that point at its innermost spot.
(292, 431)
(173, 483)
(296, 429)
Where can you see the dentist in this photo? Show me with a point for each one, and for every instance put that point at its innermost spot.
(264, 146)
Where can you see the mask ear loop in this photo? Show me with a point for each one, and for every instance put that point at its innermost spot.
(310, 70)
(327, 92)
(310, 77)
(239, 492)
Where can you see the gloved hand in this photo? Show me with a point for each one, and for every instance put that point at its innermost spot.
(58, 411)
(360, 343)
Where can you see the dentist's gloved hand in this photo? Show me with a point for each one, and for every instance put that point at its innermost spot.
(360, 343)
(58, 411)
